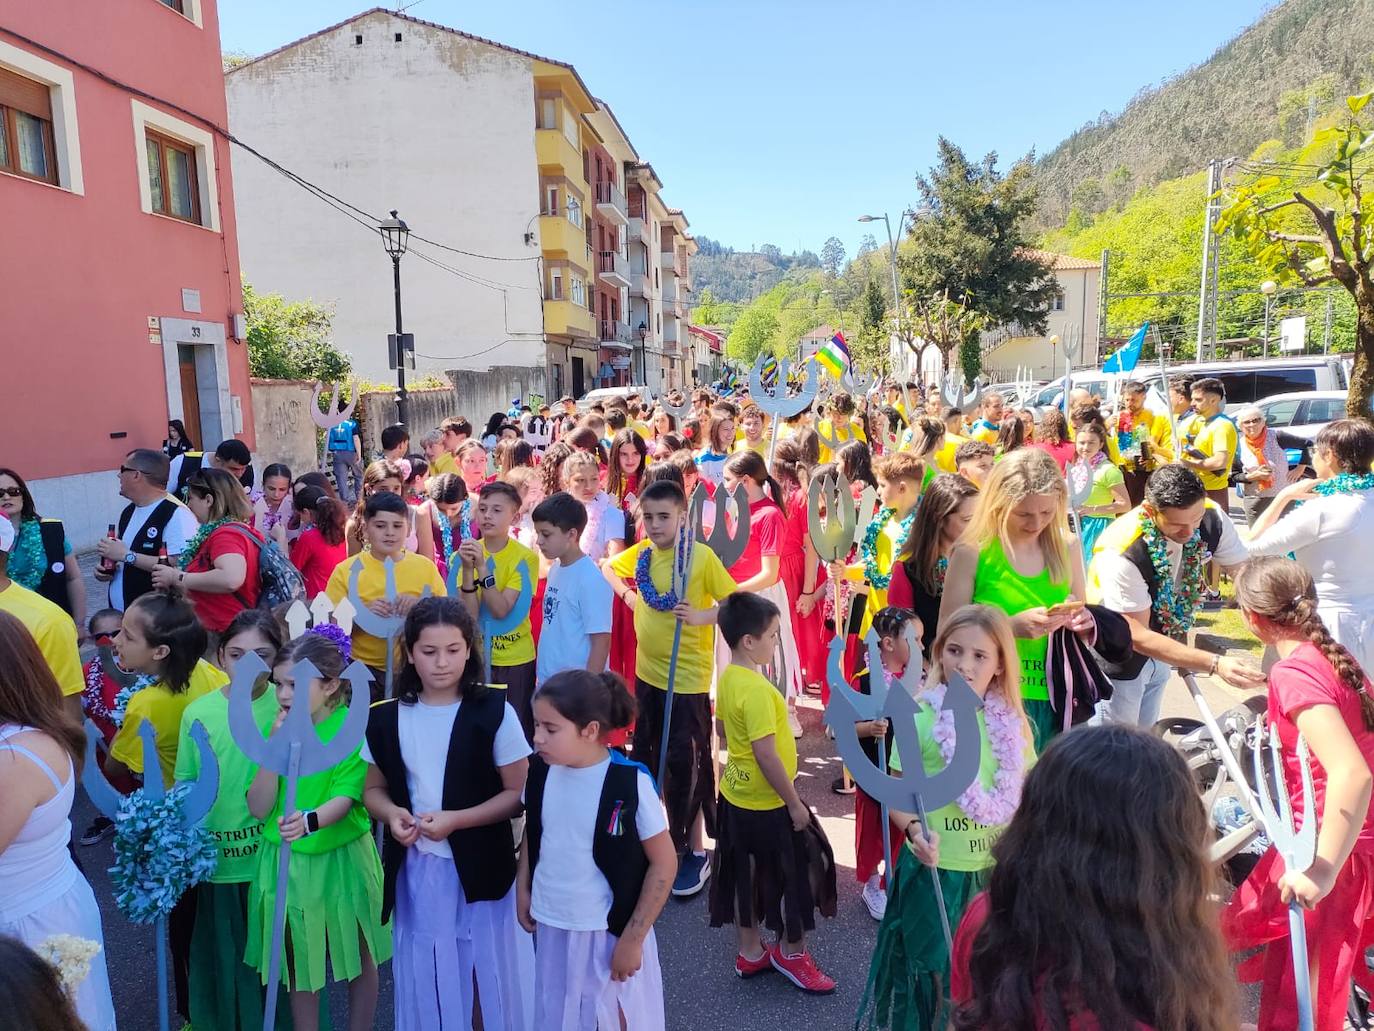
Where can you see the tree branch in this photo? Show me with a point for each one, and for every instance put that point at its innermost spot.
(1319, 241)
(1275, 207)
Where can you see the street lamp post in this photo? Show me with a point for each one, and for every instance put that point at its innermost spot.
(395, 237)
(643, 336)
(1268, 288)
(892, 258)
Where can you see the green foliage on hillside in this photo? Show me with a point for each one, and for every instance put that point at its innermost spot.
(741, 276)
(1263, 84)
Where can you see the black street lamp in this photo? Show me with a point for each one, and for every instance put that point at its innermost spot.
(395, 237)
(643, 335)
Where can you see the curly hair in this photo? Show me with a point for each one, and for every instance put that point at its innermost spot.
(1101, 897)
(1282, 592)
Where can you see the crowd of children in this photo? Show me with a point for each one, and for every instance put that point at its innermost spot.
(573, 719)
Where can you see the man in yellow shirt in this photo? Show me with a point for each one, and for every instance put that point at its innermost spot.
(840, 427)
(752, 427)
(688, 783)
(1137, 440)
(1214, 441)
(455, 432)
(989, 424)
(51, 628)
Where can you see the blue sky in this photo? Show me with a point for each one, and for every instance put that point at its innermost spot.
(776, 122)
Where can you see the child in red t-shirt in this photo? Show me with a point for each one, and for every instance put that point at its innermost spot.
(1316, 689)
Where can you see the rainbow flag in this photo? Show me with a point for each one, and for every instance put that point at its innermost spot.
(769, 372)
(834, 356)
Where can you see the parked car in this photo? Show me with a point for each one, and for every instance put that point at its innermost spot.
(1299, 417)
(1252, 380)
(604, 394)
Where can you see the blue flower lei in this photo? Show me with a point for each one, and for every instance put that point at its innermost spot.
(1345, 483)
(157, 857)
(1175, 614)
(644, 584)
(869, 547)
(122, 696)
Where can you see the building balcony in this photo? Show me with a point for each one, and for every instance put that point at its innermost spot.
(616, 334)
(641, 285)
(671, 262)
(553, 151)
(610, 202)
(614, 268)
(641, 229)
(669, 292)
(670, 333)
(568, 319)
(558, 236)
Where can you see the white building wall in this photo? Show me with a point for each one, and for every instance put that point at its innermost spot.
(1077, 320)
(437, 126)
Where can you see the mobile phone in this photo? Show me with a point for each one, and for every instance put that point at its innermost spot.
(1065, 607)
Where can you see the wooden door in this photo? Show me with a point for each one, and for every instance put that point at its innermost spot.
(579, 378)
(190, 394)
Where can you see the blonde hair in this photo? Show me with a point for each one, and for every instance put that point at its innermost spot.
(576, 461)
(996, 624)
(1019, 475)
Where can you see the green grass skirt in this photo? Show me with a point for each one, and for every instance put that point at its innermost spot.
(908, 981)
(333, 907)
(1045, 723)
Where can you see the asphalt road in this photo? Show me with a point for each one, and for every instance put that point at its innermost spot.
(700, 988)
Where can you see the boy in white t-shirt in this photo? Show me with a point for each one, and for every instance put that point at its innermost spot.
(577, 599)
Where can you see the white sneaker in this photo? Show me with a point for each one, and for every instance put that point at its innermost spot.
(876, 900)
(793, 722)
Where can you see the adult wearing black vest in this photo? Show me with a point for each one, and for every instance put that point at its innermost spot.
(42, 558)
(152, 520)
(1149, 566)
(232, 456)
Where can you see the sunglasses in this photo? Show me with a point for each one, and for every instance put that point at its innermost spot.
(128, 469)
(11, 492)
(103, 638)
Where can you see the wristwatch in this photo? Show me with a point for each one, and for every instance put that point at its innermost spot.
(312, 822)
(488, 581)
(130, 557)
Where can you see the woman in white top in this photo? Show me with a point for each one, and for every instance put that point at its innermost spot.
(1263, 464)
(1332, 533)
(42, 893)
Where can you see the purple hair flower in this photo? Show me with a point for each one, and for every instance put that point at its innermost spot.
(335, 635)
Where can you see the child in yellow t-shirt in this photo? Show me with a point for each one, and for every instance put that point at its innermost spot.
(512, 654)
(840, 427)
(766, 839)
(688, 778)
(161, 639)
(386, 523)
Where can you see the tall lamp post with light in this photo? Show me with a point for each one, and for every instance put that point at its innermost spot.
(1269, 288)
(892, 258)
(395, 238)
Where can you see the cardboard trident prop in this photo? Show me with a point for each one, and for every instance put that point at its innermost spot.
(844, 523)
(293, 752)
(775, 403)
(334, 415)
(488, 625)
(195, 807)
(1297, 848)
(915, 790)
(109, 665)
(872, 706)
(682, 566)
(1079, 480)
(952, 393)
(680, 411)
(385, 627)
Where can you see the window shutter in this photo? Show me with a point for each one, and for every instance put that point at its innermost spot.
(27, 95)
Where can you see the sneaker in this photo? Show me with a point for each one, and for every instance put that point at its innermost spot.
(793, 723)
(100, 829)
(875, 899)
(842, 786)
(802, 971)
(693, 871)
(747, 968)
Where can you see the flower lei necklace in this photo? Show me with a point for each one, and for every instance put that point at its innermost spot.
(1174, 611)
(121, 700)
(868, 549)
(644, 584)
(1345, 483)
(28, 562)
(993, 806)
(941, 568)
(93, 696)
(202, 535)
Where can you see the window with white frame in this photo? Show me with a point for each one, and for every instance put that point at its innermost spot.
(547, 113)
(555, 284)
(576, 290)
(188, 9)
(1057, 304)
(574, 207)
(550, 200)
(38, 132)
(570, 130)
(176, 168)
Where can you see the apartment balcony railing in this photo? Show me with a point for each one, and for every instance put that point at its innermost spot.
(615, 333)
(611, 203)
(613, 267)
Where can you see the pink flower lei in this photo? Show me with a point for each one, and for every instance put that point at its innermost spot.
(993, 807)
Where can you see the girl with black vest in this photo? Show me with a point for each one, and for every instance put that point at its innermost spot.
(447, 760)
(612, 863)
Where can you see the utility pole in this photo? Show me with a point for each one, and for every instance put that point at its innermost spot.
(1102, 300)
(1207, 299)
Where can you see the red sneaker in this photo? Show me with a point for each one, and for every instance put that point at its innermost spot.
(802, 971)
(746, 968)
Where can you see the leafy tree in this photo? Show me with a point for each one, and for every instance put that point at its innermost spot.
(869, 348)
(1320, 234)
(867, 244)
(772, 253)
(969, 264)
(832, 255)
(872, 305)
(291, 339)
(753, 333)
(231, 59)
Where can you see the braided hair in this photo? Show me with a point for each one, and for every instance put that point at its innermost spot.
(1281, 591)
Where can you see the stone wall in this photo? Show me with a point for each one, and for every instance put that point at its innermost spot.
(474, 394)
(285, 431)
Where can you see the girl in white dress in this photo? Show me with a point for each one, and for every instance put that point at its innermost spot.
(42, 893)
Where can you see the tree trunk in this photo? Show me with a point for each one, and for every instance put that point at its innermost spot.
(1362, 375)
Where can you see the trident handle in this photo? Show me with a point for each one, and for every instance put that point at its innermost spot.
(269, 1013)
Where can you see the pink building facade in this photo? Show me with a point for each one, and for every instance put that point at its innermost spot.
(121, 304)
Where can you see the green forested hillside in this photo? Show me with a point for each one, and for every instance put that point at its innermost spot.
(1299, 57)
